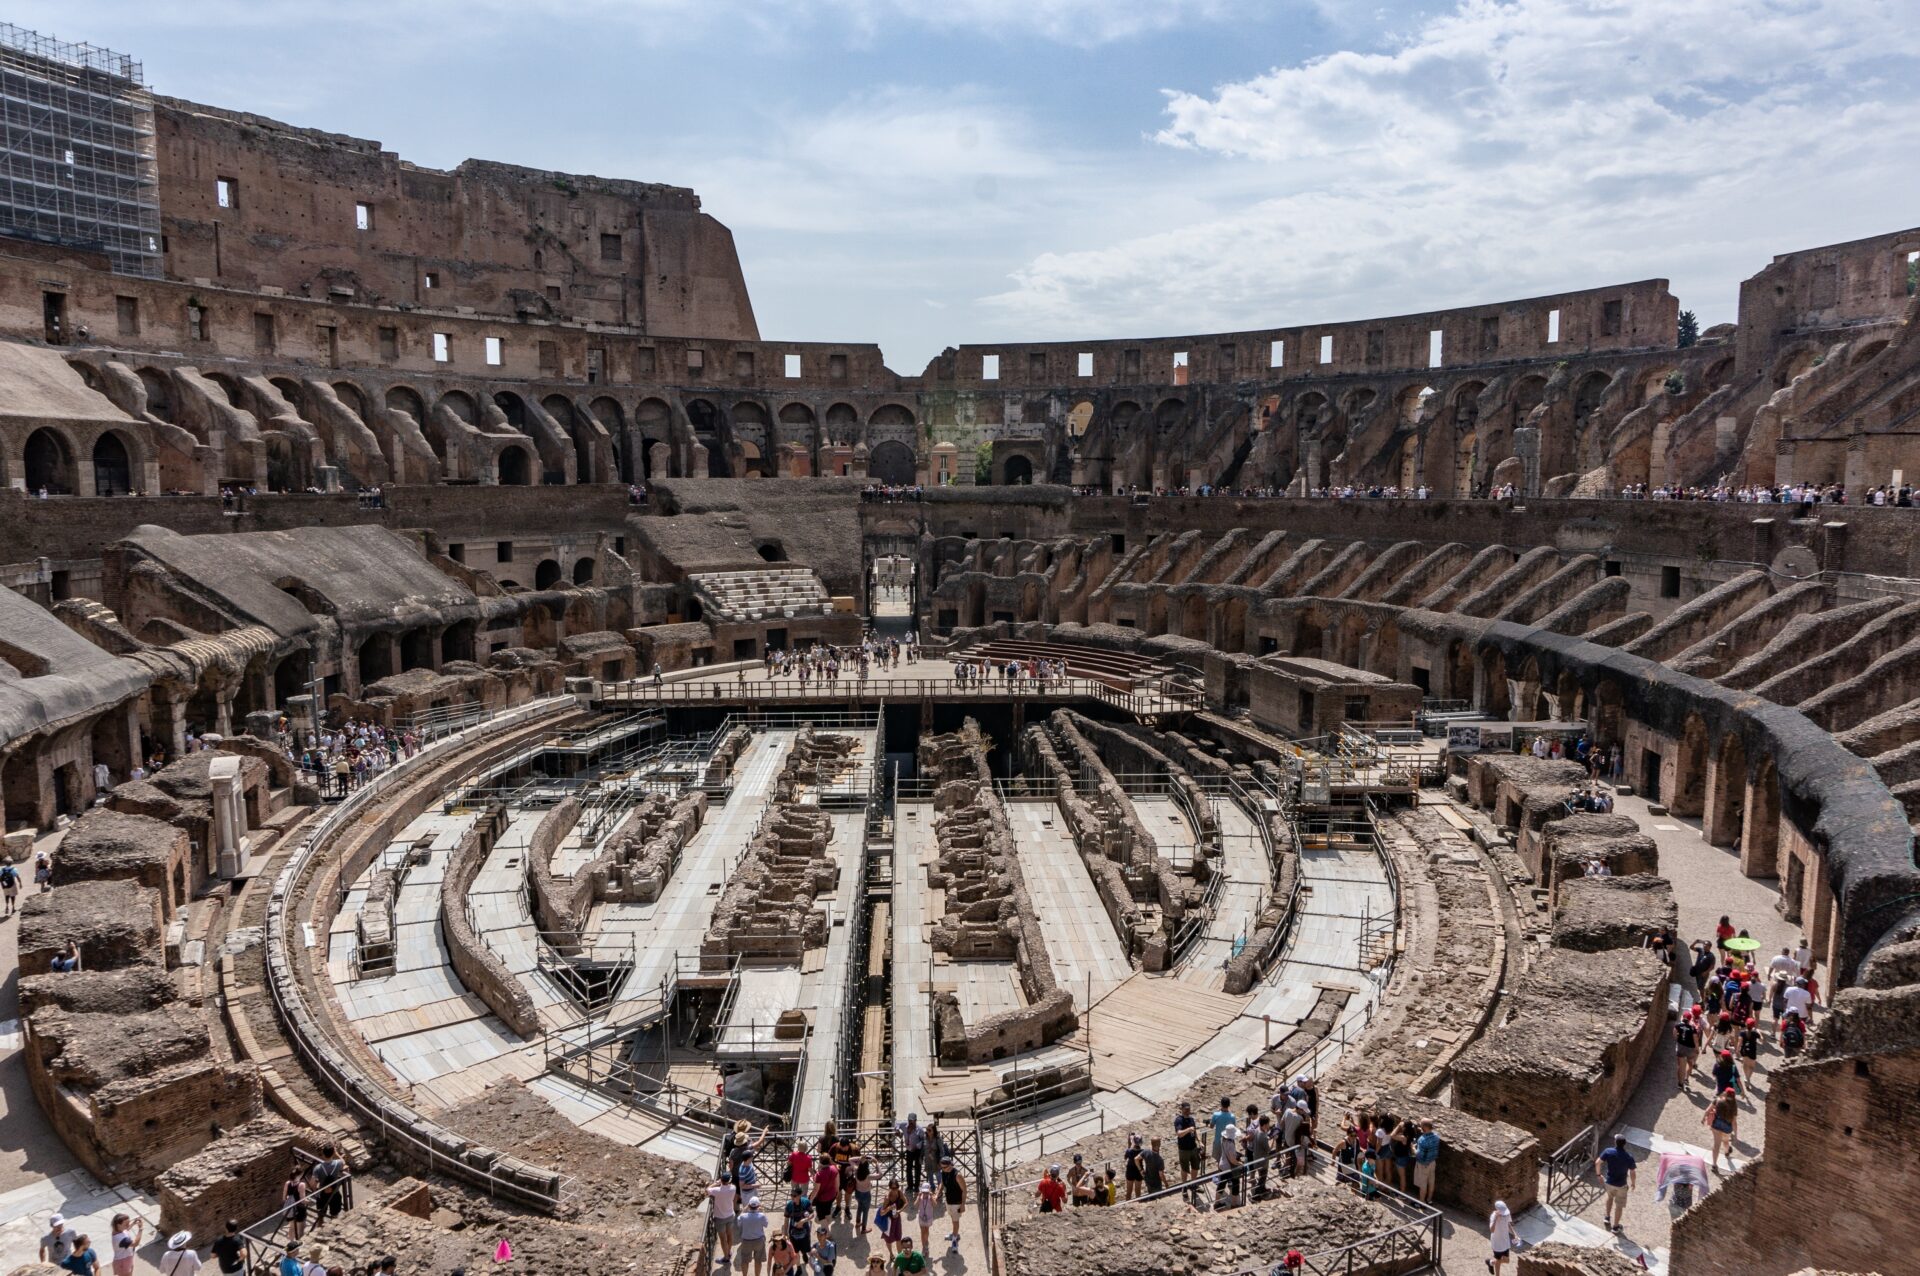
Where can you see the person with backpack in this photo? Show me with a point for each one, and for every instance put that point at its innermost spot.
(1686, 1046)
(10, 886)
(1793, 1035)
(328, 1176)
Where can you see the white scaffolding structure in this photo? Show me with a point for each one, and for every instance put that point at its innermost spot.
(77, 154)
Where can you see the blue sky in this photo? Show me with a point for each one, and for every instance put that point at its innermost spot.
(926, 172)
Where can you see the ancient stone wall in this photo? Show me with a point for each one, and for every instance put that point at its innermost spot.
(988, 913)
(1575, 1037)
(480, 970)
(239, 1175)
(1836, 1113)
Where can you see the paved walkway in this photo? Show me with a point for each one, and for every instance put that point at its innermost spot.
(1249, 876)
(1707, 883)
(1088, 957)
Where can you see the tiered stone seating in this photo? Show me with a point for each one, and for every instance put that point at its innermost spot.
(762, 595)
(1115, 668)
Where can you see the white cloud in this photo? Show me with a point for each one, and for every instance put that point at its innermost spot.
(1504, 149)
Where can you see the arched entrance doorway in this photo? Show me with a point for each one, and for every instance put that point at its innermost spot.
(112, 467)
(516, 468)
(891, 462)
(48, 463)
(1019, 471)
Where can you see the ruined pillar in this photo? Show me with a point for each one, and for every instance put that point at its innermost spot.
(1314, 455)
(697, 461)
(169, 724)
(1526, 449)
(229, 823)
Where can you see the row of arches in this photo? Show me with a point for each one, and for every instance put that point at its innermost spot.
(50, 461)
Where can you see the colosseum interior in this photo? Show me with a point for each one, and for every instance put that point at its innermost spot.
(1033, 743)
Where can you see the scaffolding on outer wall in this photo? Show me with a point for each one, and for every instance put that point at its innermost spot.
(78, 161)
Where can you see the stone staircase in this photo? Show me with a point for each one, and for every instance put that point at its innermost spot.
(772, 594)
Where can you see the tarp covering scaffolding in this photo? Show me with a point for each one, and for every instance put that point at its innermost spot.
(77, 153)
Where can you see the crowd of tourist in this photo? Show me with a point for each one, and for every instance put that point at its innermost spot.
(318, 1188)
(891, 494)
(1765, 494)
(833, 1195)
(1012, 674)
(824, 662)
(339, 760)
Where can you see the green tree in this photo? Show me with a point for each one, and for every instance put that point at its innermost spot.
(983, 464)
(1689, 328)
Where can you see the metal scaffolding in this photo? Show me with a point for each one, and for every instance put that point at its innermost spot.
(77, 154)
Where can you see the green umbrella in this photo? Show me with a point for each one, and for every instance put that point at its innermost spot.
(1741, 944)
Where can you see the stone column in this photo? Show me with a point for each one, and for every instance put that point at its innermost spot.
(229, 823)
(1526, 447)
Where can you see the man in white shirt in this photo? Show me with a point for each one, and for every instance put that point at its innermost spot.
(721, 1198)
(1800, 1001)
(1804, 955)
(1784, 964)
(1500, 1232)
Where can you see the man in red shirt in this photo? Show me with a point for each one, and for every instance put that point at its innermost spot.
(1052, 1192)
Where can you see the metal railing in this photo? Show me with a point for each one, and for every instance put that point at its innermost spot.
(325, 1201)
(384, 1118)
(1143, 699)
(1569, 1163)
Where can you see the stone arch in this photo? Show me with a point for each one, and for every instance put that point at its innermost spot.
(1310, 412)
(1528, 392)
(843, 423)
(749, 414)
(402, 398)
(516, 467)
(1167, 414)
(1587, 393)
(1760, 824)
(1413, 402)
(47, 461)
(546, 574)
(1079, 417)
(350, 394)
(461, 404)
(513, 407)
(579, 432)
(1726, 810)
(112, 465)
(374, 658)
(583, 571)
(1690, 769)
(160, 397)
(456, 641)
(891, 462)
(654, 420)
(1718, 371)
(752, 463)
(1793, 363)
(1496, 696)
(228, 386)
(1019, 471)
(416, 649)
(290, 390)
(891, 414)
(1867, 351)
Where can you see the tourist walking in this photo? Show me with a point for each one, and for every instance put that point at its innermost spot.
(953, 1193)
(925, 1210)
(912, 1143)
(1500, 1236)
(750, 1230)
(1723, 1118)
(1617, 1170)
